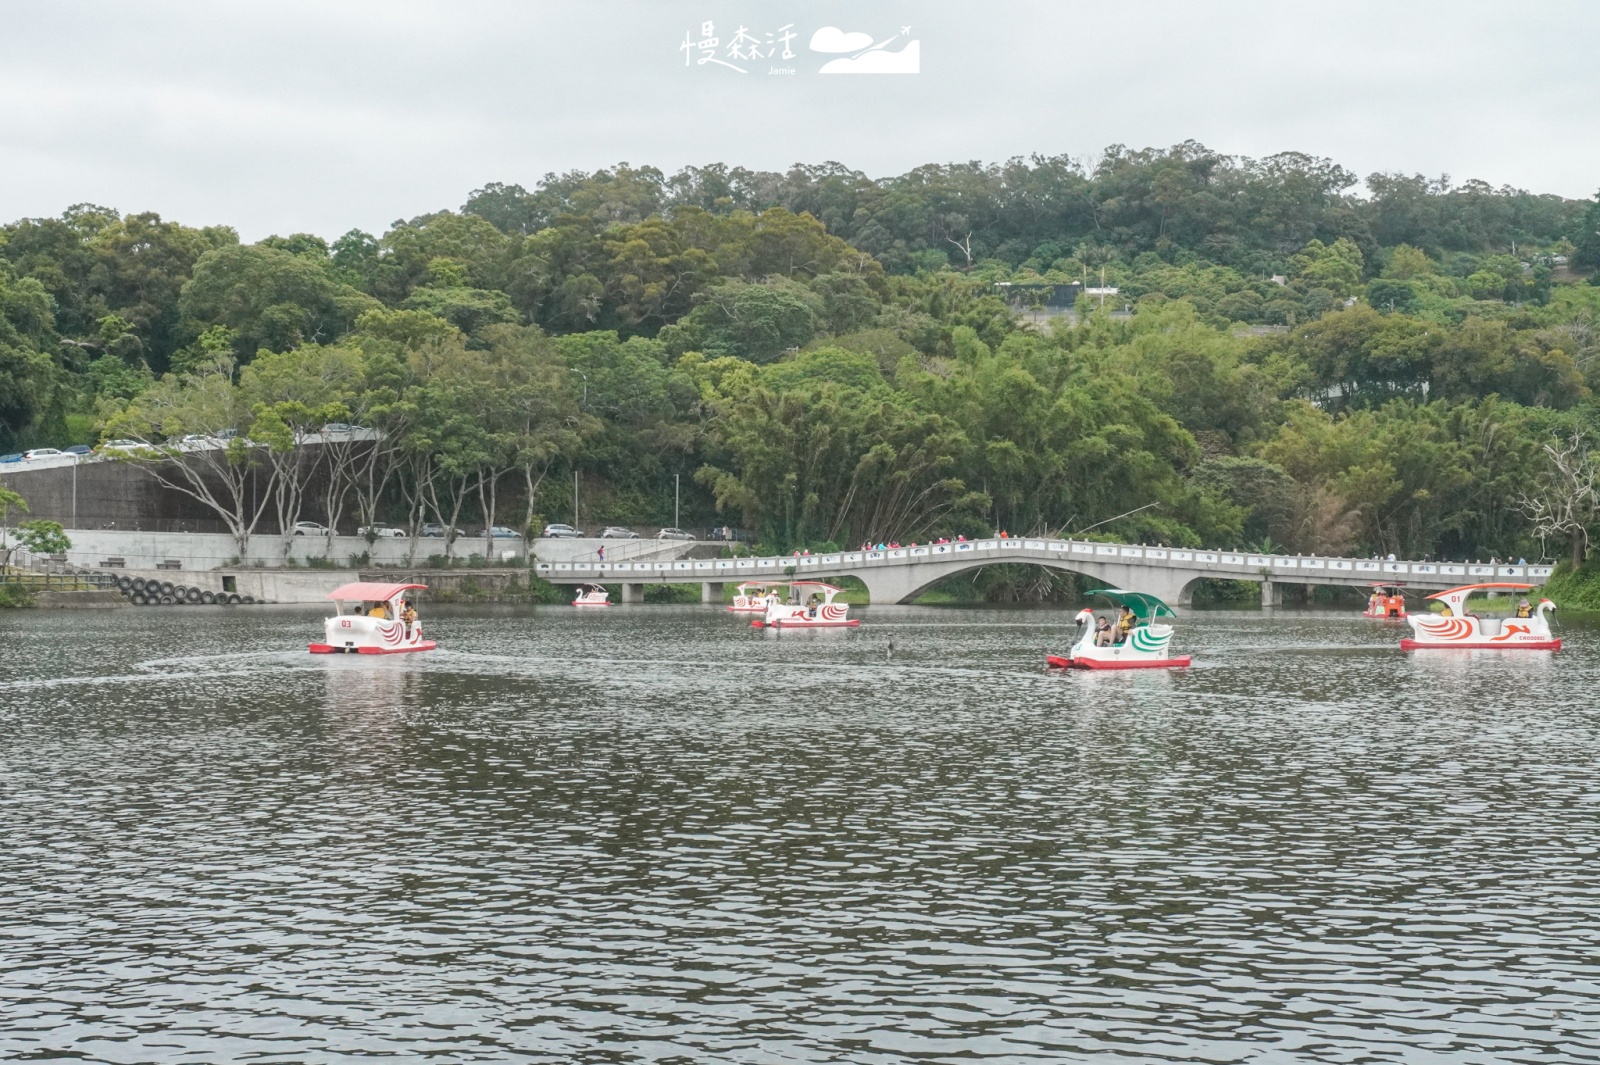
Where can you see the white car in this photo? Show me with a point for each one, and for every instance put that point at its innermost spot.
(309, 528)
(382, 532)
(43, 453)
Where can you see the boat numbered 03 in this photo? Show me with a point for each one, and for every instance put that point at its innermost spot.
(818, 611)
(372, 619)
(1458, 627)
(1145, 644)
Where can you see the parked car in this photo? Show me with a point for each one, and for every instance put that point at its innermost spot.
(382, 532)
(37, 453)
(309, 528)
(76, 449)
(617, 532)
(122, 445)
(557, 531)
(498, 532)
(433, 528)
(674, 534)
(335, 428)
(14, 457)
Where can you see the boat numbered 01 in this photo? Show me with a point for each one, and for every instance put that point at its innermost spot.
(1458, 627)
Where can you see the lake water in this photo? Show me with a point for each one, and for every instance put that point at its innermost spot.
(649, 834)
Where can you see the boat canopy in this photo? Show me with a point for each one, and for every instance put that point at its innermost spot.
(1388, 584)
(814, 584)
(1145, 607)
(370, 591)
(1475, 587)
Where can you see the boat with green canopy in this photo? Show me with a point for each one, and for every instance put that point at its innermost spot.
(1136, 638)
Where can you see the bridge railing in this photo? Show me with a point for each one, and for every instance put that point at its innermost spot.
(1227, 564)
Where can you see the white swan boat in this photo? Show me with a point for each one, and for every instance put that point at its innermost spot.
(357, 628)
(1148, 644)
(1459, 627)
(592, 595)
(751, 597)
(818, 611)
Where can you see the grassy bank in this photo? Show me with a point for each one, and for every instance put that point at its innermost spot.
(1575, 589)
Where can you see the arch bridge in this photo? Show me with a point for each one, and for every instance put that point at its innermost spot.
(899, 575)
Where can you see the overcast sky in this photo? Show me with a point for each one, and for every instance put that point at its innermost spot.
(322, 115)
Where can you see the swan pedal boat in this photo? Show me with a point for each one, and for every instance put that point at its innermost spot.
(1149, 645)
(825, 614)
(1386, 602)
(352, 631)
(751, 597)
(592, 595)
(1461, 629)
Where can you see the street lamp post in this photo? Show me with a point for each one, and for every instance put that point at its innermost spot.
(675, 524)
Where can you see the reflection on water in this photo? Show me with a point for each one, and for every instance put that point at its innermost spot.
(651, 834)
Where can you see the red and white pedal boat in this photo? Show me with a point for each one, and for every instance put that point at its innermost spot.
(354, 630)
(751, 597)
(592, 595)
(1148, 646)
(819, 611)
(1460, 628)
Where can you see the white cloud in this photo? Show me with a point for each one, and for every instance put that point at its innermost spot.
(907, 60)
(833, 39)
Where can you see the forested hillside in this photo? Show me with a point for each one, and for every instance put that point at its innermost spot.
(1294, 356)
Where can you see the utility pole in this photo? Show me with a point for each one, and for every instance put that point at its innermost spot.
(575, 499)
(675, 478)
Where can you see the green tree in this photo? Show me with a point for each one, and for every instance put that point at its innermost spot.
(270, 298)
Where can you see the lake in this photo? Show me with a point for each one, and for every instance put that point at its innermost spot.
(650, 834)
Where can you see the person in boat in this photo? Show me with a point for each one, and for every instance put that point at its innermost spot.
(1102, 631)
(408, 614)
(1125, 623)
(380, 611)
(1375, 604)
(811, 604)
(1524, 609)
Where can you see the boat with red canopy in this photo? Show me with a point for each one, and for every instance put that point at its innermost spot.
(370, 618)
(1386, 601)
(1457, 626)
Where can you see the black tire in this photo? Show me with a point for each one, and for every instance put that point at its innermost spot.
(125, 583)
(138, 599)
(193, 595)
(233, 599)
(137, 583)
(166, 588)
(180, 591)
(167, 600)
(208, 598)
(249, 600)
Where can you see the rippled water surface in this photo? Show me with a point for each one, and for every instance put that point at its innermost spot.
(649, 834)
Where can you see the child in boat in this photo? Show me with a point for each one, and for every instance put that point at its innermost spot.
(1524, 610)
(1102, 631)
(408, 614)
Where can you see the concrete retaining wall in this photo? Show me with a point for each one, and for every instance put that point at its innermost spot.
(203, 551)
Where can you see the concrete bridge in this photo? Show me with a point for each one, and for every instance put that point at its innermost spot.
(899, 575)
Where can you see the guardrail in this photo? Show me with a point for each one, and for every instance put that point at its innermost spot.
(1239, 564)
